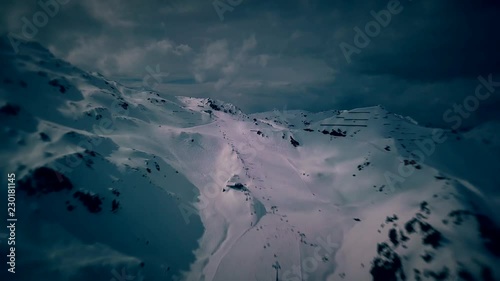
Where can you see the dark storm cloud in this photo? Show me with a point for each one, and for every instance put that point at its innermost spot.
(446, 41)
(275, 54)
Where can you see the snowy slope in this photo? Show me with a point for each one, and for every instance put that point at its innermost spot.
(124, 184)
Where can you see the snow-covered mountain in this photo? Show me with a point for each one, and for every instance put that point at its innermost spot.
(119, 184)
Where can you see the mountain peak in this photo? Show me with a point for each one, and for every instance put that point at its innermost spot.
(192, 188)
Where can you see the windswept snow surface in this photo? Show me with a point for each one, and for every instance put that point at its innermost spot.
(114, 182)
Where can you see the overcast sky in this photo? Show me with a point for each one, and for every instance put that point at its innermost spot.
(276, 54)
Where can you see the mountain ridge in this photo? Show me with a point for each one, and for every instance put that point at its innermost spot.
(183, 188)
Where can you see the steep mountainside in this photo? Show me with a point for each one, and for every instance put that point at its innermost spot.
(116, 183)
